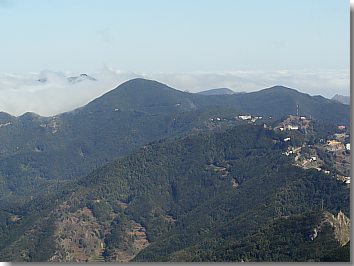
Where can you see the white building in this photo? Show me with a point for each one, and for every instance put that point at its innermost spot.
(245, 117)
(291, 127)
(347, 146)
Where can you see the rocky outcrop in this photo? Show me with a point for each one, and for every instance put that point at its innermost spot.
(340, 225)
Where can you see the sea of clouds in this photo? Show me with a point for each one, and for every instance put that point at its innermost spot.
(49, 93)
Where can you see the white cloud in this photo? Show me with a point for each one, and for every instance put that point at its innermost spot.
(20, 93)
(23, 93)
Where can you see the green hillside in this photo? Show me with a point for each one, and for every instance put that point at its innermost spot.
(217, 196)
(154, 174)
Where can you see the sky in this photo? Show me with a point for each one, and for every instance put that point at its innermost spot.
(241, 44)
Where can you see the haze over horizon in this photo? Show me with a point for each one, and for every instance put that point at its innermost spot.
(51, 92)
(189, 45)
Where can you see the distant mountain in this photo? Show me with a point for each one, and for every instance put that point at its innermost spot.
(46, 76)
(220, 91)
(278, 101)
(341, 99)
(80, 78)
(197, 198)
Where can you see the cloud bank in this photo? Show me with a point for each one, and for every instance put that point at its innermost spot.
(50, 93)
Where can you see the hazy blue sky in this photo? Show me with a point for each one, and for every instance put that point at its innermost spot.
(174, 36)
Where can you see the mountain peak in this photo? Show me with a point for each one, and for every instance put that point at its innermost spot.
(142, 83)
(218, 91)
(81, 77)
(5, 116)
(280, 87)
(142, 93)
(341, 98)
(30, 115)
(140, 87)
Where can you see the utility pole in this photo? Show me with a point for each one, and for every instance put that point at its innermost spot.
(297, 110)
(322, 204)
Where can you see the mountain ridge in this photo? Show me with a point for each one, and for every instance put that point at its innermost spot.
(132, 88)
(218, 91)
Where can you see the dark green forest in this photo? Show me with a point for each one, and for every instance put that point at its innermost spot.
(190, 179)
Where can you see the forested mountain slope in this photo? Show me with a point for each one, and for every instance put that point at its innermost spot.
(211, 196)
(44, 153)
